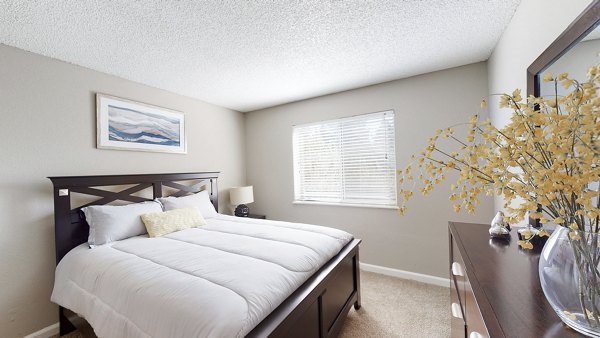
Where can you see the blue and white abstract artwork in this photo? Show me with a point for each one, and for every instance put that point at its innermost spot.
(128, 125)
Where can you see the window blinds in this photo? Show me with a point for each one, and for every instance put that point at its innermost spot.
(346, 161)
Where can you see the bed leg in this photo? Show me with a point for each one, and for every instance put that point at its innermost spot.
(357, 280)
(65, 325)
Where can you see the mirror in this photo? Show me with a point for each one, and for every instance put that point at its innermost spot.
(572, 52)
(576, 62)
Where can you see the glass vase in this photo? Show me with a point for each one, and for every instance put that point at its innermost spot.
(570, 278)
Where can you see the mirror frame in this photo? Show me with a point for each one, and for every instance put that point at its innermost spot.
(586, 22)
(577, 30)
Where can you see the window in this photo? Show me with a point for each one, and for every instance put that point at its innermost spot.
(349, 161)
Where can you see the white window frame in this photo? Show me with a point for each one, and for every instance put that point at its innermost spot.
(339, 195)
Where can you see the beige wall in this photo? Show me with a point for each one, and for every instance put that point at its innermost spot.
(48, 128)
(535, 25)
(416, 242)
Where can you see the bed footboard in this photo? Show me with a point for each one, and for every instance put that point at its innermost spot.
(320, 306)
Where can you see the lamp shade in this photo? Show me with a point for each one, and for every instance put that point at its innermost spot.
(241, 195)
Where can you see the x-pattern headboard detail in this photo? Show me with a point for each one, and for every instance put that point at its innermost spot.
(109, 196)
(71, 229)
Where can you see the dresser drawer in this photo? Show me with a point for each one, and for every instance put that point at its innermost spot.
(475, 325)
(466, 319)
(458, 273)
(457, 321)
(457, 292)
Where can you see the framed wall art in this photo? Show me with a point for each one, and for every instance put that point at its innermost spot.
(128, 125)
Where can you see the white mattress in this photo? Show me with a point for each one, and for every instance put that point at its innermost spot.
(219, 280)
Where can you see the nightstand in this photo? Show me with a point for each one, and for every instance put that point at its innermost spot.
(257, 216)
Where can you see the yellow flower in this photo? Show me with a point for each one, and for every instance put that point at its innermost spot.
(503, 101)
(567, 83)
(543, 233)
(525, 245)
(517, 95)
(402, 210)
(574, 236)
(526, 234)
(548, 77)
(546, 156)
(536, 215)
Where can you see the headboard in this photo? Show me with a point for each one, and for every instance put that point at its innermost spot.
(70, 227)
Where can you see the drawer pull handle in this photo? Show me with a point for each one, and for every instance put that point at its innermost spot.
(456, 311)
(457, 270)
(476, 335)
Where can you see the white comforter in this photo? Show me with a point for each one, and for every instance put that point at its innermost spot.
(218, 280)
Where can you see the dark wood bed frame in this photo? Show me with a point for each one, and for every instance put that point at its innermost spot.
(317, 309)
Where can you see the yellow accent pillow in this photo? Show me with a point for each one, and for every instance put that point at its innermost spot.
(162, 223)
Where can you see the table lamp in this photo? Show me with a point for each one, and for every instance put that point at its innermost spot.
(240, 196)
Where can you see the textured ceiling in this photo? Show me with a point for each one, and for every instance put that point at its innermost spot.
(248, 55)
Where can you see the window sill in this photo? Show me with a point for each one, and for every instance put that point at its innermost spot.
(391, 207)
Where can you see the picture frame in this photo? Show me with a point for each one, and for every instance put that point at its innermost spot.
(129, 125)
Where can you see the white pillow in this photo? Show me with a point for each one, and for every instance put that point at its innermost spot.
(199, 200)
(110, 223)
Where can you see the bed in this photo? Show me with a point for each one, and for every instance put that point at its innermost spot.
(323, 291)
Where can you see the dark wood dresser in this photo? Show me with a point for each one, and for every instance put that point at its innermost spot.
(495, 288)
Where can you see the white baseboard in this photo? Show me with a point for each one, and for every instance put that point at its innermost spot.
(439, 281)
(46, 332)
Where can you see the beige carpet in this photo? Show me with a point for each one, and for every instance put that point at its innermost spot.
(392, 307)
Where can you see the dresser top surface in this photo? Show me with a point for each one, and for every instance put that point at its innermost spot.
(505, 282)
